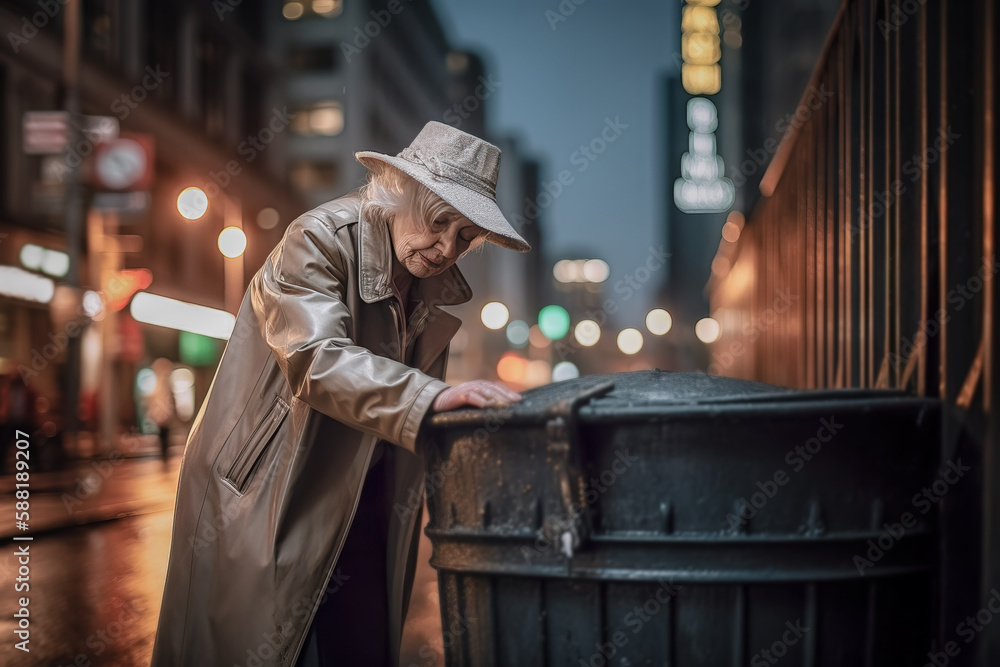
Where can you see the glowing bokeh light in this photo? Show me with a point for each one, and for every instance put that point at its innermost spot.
(232, 242)
(587, 332)
(630, 340)
(658, 321)
(707, 330)
(192, 203)
(565, 370)
(517, 333)
(494, 315)
(554, 322)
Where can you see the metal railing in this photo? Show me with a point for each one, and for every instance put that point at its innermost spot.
(869, 260)
(878, 215)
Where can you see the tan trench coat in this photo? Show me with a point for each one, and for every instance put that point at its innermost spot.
(273, 467)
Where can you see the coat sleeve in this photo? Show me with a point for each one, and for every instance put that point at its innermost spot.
(298, 298)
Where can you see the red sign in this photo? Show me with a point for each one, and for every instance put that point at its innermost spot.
(131, 345)
(124, 164)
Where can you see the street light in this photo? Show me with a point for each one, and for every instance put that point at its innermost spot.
(707, 329)
(232, 242)
(658, 321)
(192, 203)
(630, 340)
(494, 315)
(587, 332)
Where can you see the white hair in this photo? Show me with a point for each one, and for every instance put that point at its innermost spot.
(389, 191)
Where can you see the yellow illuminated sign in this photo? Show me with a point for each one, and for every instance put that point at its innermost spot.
(700, 48)
(699, 19)
(701, 79)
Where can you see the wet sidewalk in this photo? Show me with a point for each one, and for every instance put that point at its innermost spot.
(132, 479)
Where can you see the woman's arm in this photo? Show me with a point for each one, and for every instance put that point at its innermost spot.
(298, 297)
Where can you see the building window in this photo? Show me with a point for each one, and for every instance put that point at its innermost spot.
(312, 58)
(314, 175)
(319, 119)
(296, 9)
(211, 55)
(101, 29)
(163, 18)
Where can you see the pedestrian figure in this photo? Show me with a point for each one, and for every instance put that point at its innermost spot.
(161, 407)
(17, 410)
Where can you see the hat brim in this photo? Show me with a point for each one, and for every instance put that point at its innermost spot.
(478, 208)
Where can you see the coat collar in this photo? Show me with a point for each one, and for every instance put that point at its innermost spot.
(375, 271)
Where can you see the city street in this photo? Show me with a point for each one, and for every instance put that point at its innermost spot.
(94, 588)
(95, 593)
(101, 533)
(517, 317)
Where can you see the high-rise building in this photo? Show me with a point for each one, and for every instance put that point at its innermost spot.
(765, 53)
(368, 76)
(193, 101)
(363, 76)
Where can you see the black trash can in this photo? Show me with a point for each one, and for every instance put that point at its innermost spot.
(664, 518)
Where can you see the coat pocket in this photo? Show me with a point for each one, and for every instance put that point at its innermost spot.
(242, 470)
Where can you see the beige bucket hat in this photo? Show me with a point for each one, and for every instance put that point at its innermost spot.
(460, 168)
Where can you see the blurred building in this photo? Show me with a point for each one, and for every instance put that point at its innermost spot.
(368, 76)
(516, 280)
(169, 95)
(690, 237)
(769, 50)
(766, 55)
(362, 77)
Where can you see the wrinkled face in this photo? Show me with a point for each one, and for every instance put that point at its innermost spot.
(427, 250)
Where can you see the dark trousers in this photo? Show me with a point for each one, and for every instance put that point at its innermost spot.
(351, 626)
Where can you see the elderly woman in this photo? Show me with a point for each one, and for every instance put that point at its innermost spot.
(294, 539)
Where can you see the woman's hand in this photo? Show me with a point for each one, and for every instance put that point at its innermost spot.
(480, 393)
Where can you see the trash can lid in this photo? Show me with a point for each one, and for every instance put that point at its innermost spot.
(644, 393)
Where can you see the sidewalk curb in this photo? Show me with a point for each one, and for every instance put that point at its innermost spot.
(89, 517)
